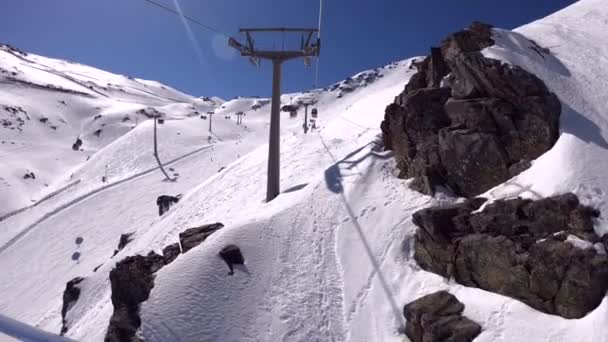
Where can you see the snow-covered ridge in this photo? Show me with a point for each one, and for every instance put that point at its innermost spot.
(331, 257)
(47, 104)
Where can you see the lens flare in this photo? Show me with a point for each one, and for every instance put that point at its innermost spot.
(190, 34)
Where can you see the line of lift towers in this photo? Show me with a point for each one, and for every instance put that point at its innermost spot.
(309, 48)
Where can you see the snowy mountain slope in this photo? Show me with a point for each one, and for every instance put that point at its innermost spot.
(222, 197)
(331, 258)
(575, 70)
(72, 101)
(344, 245)
(99, 212)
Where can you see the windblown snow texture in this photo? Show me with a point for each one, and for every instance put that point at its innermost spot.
(330, 259)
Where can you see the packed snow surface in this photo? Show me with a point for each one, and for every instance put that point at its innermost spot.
(330, 259)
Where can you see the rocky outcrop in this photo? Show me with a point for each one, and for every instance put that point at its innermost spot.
(70, 296)
(437, 317)
(544, 253)
(164, 202)
(171, 253)
(132, 279)
(466, 121)
(123, 242)
(193, 237)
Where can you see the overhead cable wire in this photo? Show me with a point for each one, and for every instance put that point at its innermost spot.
(319, 37)
(169, 9)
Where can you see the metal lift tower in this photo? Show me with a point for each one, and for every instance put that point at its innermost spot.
(306, 101)
(308, 49)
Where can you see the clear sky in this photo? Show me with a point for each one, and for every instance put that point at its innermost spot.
(135, 38)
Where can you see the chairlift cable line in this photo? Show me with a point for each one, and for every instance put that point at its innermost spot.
(169, 9)
(319, 38)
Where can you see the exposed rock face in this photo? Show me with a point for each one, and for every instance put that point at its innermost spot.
(122, 242)
(70, 296)
(171, 252)
(519, 248)
(164, 202)
(132, 279)
(193, 237)
(437, 317)
(467, 121)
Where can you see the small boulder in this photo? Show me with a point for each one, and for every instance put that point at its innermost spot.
(193, 237)
(437, 317)
(164, 202)
(231, 254)
(77, 144)
(29, 175)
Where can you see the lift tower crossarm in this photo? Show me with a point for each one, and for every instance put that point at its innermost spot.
(278, 29)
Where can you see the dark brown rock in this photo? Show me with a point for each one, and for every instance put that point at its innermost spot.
(124, 240)
(472, 161)
(171, 252)
(467, 121)
(231, 255)
(164, 202)
(437, 317)
(193, 237)
(70, 296)
(131, 281)
(77, 144)
(517, 248)
(475, 38)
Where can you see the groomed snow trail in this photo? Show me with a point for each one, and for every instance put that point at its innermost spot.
(87, 195)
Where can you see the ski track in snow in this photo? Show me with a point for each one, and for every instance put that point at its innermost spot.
(87, 195)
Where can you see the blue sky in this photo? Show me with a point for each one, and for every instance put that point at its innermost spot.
(135, 38)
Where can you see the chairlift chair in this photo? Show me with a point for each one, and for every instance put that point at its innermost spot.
(314, 113)
(161, 121)
(293, 114)
(288, 108)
